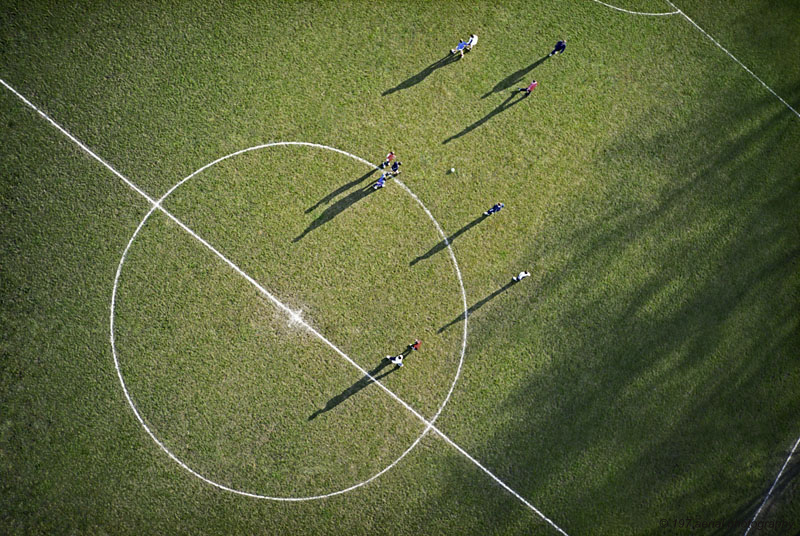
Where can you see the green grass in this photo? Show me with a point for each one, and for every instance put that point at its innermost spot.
(646, 371)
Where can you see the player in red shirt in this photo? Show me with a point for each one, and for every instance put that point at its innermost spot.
(530, 87)
(388, 161)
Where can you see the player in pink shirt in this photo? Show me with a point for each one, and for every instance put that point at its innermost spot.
(388, 161)
(530, 87)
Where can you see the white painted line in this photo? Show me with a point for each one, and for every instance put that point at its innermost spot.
(156, 206)
(637, 12)
(791, 452)
(743, 66)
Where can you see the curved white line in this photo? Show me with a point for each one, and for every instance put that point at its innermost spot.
(463, 294)
(283, 307)
(791, 453)
(638, 12)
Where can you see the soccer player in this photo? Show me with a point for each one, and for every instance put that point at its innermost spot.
(494, 209)
(560, 47)
(381, 182)
(396, 168)
(473, 40)
(520, 276)
(415, 345)
(388, 160)
(530, 87)
(397, 360)
(459, 48)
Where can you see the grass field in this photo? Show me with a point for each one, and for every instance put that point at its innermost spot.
(645, 377)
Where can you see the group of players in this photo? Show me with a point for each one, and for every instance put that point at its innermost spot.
(392, 167)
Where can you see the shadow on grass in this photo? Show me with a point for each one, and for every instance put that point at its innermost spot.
(443, 244)
(515, 77)
(423, 74)
(335, 209)
(744, 515)
(478, 305)
(502, 107)
(366, 380)
(341, 189)
(664, 338)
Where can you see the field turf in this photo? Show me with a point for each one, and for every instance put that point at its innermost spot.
(644, 378)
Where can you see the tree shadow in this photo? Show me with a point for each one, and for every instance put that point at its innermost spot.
(341, 189)
(744, 515)
(515, 77)
(478, 305)
(371, 376)
(505, 105)
(334, 210)
(676, 336)
(443, 243)
(423, 74)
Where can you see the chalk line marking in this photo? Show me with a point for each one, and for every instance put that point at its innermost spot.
(791, 453)
(742, 65)
(156, 206)
(638, 12)
(295, 319)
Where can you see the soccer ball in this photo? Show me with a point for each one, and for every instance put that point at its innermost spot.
(452, 170)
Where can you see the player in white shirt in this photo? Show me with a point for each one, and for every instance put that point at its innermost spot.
(520, 276)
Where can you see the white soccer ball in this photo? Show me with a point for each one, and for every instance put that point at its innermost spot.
(452, 170)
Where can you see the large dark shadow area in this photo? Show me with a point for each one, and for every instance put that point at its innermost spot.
(441, 245)
(423, 74)
(515, 77)
(502, 107)
(784, 496)
(669, 379)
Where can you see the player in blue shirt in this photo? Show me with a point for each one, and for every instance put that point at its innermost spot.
(494, 209)
(560, 47)
(459, 48)
(396, 168)
(381, 182)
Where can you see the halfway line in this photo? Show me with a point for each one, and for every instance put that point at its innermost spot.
(281, 306)
(81, 145)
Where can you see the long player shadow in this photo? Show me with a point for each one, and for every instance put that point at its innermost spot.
(341, 189)
(335, 209)
(515, 77)
(365, 380)
(423, 74)
(443, 243)
(478, 305)
(505, 105)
